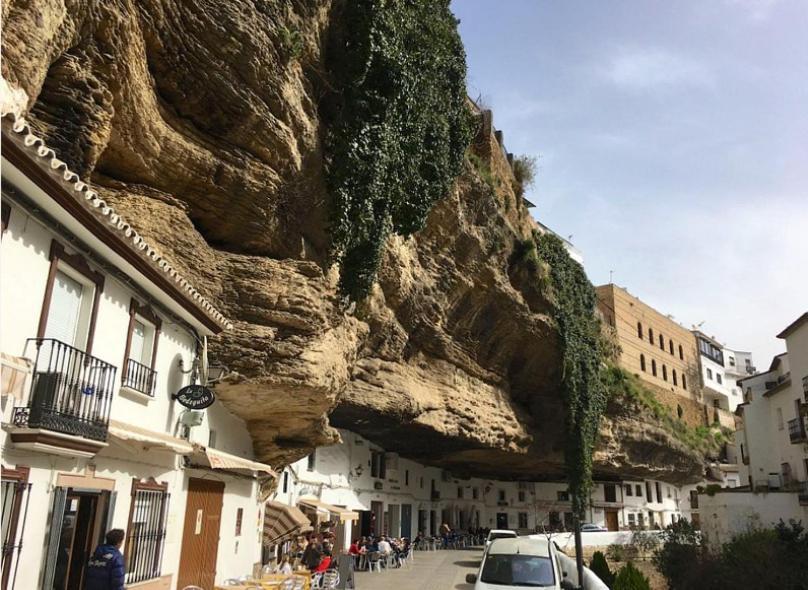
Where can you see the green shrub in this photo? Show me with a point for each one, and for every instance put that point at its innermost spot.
(616, 552)
(397, 124)
(600, 568)
(644, 543)
(679, 555)
(630, 578)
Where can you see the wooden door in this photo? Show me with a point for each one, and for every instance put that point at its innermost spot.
(200, 535)
(611, 520)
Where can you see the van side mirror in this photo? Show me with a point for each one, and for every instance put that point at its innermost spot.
(567, 585)
(471, 578)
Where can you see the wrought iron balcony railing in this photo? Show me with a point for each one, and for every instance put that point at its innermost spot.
(71, 391)
(796, 431)
(139, 377)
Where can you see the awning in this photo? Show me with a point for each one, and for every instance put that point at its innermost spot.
(342, 513)
(220, 460)
(15, 371)
(282, 521)
(148, 438)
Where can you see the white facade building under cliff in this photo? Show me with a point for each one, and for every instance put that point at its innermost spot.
(98, 332)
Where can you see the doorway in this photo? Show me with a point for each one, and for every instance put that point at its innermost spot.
(502, 520)
(406, 521)
(377, 508)
(200, 534)
(79, 521)
(611, 520)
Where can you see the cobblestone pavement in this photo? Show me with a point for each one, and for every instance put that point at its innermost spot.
(430, 570)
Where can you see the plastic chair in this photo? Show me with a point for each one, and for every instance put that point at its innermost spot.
(330, 580)
(288, 585)
(375, 561)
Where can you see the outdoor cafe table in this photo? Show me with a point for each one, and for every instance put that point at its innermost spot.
(271, 582)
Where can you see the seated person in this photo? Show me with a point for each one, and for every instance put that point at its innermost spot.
(324, 563)
(354, 548)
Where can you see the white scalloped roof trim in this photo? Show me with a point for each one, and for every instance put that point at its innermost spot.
(13, 102)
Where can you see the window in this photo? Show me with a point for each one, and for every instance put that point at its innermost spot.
(15, 495)
(642, 362)
(780, 423)
(70, 307)
(661, 342)
(146, 531)
(610, 492)
(681, 353)
(670, 342)
(501, 495)
(732, 361)
(718, 377)
(212, 439)
(639, 329)
(521, 495)
(563, 496)
(141, 349)
(638, 489)
(785, 468)
(684, 381)
(475, 493)
(421, 482)
(673, 374)
(406, 477)
(669, 491)
(648, 491)
(664, 372)
(629, 490)
(711, 351)
(653, 367)
(378, 466)
(285, 482)
(709, 373)
(632, 519)
(239, 519)
(651, 335)
(523, 520)
(658, 492)
(6, 215)
(460, 492)
(311, 461)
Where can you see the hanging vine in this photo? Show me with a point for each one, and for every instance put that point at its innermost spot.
(398, 128)
(584, 393)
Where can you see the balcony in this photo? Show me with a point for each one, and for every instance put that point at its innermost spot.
(796, 431)
(802, 493)
(69, 401)
(139, 377)
(435, 495)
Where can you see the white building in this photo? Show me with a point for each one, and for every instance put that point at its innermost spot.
(368, 490)
(98, 332)
(773, 446)
(721, 368)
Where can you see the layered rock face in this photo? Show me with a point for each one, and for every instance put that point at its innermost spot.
(199, 122)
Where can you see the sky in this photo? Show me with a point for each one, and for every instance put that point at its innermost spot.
(672, 145)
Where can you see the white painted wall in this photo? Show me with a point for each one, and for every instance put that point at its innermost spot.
(24, 257)
(729, 513)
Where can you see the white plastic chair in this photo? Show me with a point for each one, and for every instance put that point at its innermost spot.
(375, 561)
(330, 580)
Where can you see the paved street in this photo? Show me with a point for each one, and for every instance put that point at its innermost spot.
(430, 570)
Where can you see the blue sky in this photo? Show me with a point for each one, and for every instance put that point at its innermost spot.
(672, 140)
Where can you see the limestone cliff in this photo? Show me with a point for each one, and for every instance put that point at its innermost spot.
(200, 121)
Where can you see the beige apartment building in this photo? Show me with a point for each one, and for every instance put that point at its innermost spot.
(656, 349)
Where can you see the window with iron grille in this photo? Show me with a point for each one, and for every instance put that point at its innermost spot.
(146, 532)
(15, 494)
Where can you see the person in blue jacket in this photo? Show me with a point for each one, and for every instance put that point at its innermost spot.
(105, 569)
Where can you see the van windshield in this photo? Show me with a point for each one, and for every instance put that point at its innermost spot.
(518, 570)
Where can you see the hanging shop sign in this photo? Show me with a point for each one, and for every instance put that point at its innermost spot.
(195, 397)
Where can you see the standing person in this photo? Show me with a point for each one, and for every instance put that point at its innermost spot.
(312, 555)
(105, 569)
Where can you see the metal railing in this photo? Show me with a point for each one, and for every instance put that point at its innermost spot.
(796, 430)
(139, 377)
(71, 391)
(15, 496)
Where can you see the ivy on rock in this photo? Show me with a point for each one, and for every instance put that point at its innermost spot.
(584, 393)
(398, 130)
